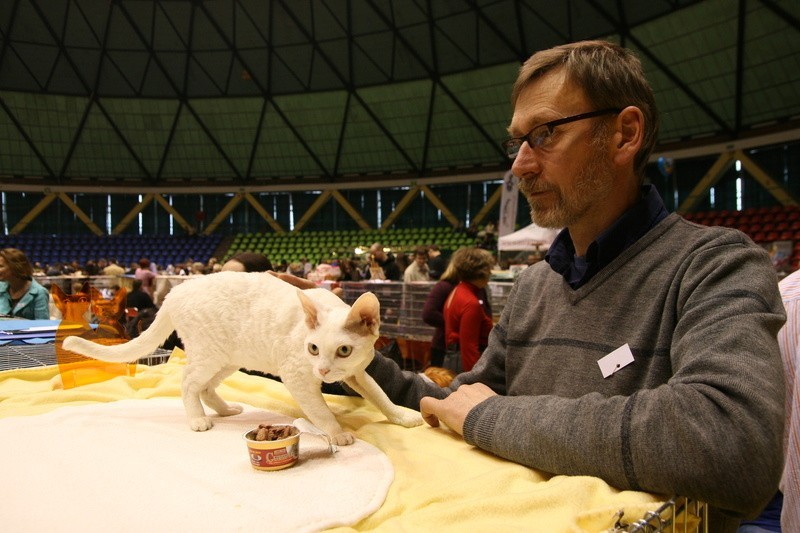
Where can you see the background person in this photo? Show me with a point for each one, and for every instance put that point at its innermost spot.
(21, 296)
(466, 322)
(247, 262)
(137, 298)
(418, 269)
(383, 261)
(436, 262)
(144, 273)
(789, 340)
(433, 310)
(688, 314)
(783, 511)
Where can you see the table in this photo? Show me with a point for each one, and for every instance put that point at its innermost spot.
(440, 483)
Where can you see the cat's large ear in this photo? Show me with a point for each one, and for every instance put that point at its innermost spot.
(95, 294)
(365, 315)
(309, 309)
(120, 297)
(58, 296)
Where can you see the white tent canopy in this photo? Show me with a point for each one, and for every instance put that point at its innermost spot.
(531, 237)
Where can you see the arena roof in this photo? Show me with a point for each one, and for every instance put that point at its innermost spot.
(314, 93)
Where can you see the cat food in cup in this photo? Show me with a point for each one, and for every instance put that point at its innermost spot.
(273, 446)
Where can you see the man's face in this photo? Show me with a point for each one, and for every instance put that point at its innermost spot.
(567, 180)
(421, 259)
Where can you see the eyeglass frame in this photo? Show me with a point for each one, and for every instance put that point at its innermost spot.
(550, 126)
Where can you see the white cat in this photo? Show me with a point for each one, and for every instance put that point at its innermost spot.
(233, 320)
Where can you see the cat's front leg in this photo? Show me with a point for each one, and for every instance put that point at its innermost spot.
(309, 397)
(363, 384)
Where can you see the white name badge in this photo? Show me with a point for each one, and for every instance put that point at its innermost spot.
(619, 358)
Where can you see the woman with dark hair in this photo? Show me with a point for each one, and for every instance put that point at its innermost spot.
(146, 275)
(247, 262)
(20, 295)
(138, 298)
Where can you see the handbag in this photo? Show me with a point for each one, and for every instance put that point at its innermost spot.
(452, 358)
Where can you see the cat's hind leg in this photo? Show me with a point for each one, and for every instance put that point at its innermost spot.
(210, 397)
(196, 381)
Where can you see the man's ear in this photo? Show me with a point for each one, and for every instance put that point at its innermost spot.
(628, 136)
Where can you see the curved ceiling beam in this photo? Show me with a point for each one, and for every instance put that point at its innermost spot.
(437, 79)
(179, 93)
(625, 31)
(351, 89)
(266, 95)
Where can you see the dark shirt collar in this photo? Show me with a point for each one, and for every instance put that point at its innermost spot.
(626, 230)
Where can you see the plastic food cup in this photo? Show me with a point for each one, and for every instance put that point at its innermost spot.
(273, 454)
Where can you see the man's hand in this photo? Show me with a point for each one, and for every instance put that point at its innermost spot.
(453, 410)
(300, 283)
(303, 283)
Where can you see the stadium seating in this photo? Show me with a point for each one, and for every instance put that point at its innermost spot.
(765, 225)
(319, 246)
(126, 249)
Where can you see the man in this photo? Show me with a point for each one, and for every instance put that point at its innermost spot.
(643, 349)
(113, 269)
(436, 262)
(783, 512)
(386, 263)
(418, 269)
(788, 340)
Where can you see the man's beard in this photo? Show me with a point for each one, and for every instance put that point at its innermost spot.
(593, 184)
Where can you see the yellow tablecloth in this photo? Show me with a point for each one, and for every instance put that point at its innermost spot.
(440, 484)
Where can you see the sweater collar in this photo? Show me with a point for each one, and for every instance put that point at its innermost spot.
(626, 230)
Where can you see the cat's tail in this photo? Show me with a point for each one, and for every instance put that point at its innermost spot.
(145, 344)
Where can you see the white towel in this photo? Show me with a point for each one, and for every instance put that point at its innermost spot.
(135, 465)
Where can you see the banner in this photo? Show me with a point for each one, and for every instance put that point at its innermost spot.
(508, 204)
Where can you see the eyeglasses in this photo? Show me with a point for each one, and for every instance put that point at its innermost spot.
(542, 135)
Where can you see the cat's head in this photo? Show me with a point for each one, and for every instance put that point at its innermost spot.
(108, 310)
(341, 339)
(73, 307)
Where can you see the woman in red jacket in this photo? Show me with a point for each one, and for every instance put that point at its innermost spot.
(466, 323)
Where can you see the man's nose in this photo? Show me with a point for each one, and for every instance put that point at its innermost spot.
(526, 161)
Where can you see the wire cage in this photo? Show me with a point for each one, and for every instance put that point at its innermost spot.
(678, 515)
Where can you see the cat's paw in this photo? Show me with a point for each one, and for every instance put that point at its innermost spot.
(201, 423)
(230, 410)
(343, 439)
(407, 419)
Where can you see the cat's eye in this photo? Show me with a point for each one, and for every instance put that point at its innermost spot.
(344, 350)
(313, 349)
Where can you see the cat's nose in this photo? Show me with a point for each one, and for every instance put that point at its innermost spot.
(324, 371)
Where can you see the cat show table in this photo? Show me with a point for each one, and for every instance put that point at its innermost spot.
(118, 455)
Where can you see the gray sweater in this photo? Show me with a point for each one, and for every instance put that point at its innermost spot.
(698, 413)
